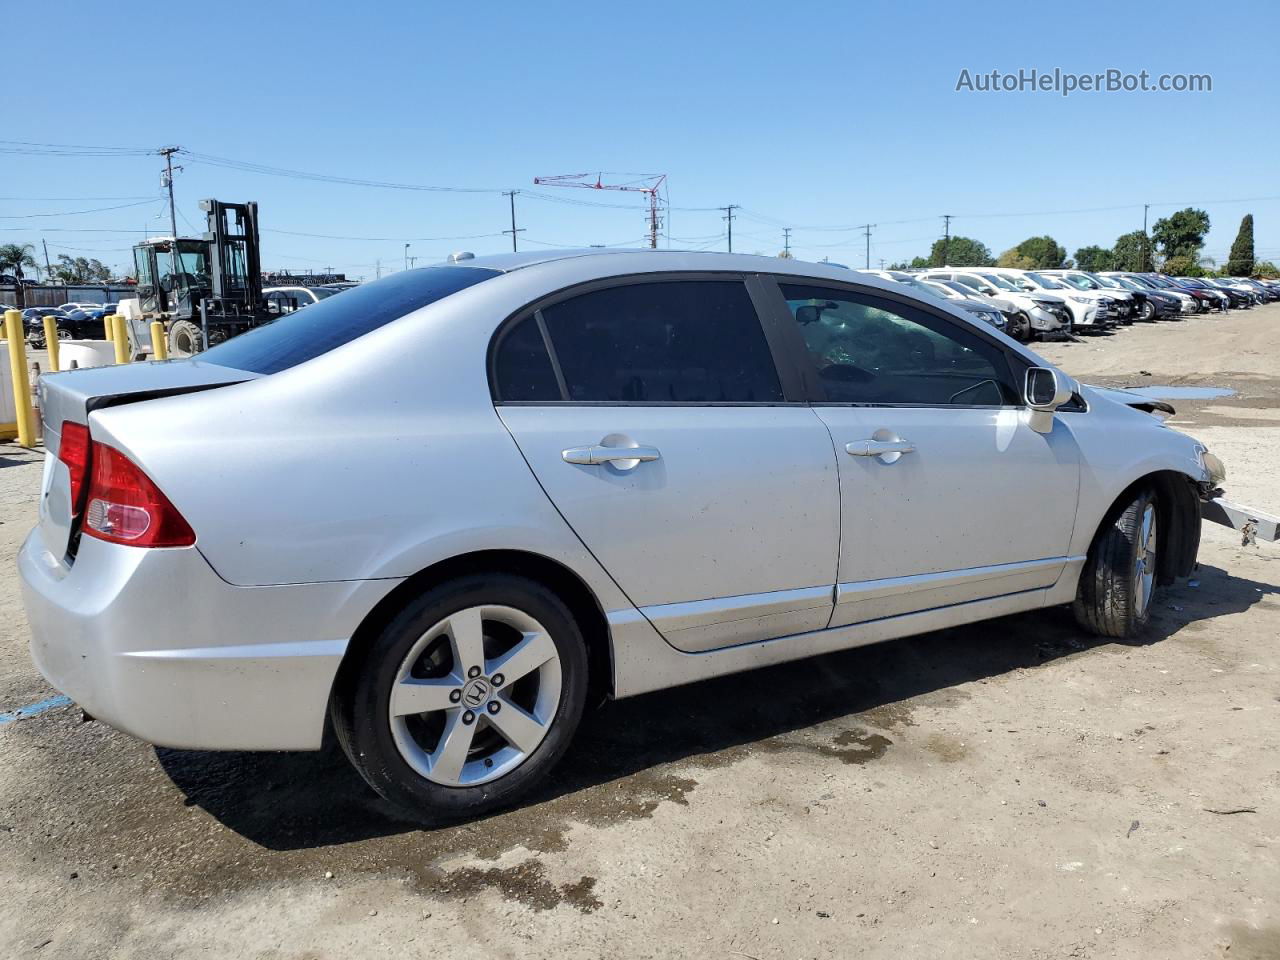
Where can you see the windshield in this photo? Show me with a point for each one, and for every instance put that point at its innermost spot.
(1127, 283)
(996, 281)
(1110, 282)
(920, 287)
(305, 334)
(323, 292)
(1049, 283)
(1080, 283)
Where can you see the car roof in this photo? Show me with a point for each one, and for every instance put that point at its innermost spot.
(646, 260)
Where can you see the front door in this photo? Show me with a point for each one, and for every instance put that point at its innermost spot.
(948, 496)
(653, 415)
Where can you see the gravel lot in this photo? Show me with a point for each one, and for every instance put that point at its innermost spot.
(1010, 789)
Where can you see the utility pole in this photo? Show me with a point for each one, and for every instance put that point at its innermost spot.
(946, 239)
(728, 216)
(48, 270)
(1145, 242)
(406, 256)
(786, 241)
(167, 153)
(882, 263)
(377, 268)
(513, 231)
(866, 230)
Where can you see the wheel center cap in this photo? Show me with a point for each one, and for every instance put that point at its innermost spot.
(476, 692)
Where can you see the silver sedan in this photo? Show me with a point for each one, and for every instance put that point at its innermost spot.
(439, 510)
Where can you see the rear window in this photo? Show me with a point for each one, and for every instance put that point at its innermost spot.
(305, 334)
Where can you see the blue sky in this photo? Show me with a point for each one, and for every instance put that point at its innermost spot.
(812, 115)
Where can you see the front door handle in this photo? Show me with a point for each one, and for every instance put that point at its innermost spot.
(889, 451)
(622, 457)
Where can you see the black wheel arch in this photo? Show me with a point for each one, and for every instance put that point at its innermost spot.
(571, 588)
(1178, 515)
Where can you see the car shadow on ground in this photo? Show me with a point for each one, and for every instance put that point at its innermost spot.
(289, 801)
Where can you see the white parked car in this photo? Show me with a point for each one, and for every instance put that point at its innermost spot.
(1089, 309)
(570, 473)
(1037, 312)
(1124, 307)
(289, 299)
(81, 305)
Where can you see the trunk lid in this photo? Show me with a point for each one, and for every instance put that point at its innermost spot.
(74, 394)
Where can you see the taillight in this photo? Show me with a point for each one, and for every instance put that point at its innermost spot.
(73, 450)
(126, 507)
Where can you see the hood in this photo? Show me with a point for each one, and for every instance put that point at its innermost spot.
(1137, 401)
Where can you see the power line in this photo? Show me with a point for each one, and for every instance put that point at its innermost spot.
(73, 213)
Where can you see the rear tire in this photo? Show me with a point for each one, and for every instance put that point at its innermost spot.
(456, 645)
(1118, 583)
(1148, 311)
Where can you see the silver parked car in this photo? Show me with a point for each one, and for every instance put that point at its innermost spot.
(439, 509)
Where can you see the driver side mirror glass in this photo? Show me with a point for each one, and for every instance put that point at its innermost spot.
(1047, 389)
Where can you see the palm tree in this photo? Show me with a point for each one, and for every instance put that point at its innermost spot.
(13, 258)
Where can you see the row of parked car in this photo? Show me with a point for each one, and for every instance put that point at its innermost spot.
(1045, 303)
(75, 321)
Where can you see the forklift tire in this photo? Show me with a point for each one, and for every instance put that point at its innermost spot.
(184, 338)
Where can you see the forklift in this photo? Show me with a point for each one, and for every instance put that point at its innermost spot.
(204, 291)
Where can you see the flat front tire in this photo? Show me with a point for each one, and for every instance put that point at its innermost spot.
(466, 699)
(1119, 577)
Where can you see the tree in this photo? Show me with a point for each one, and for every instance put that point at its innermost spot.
(1183, 266)
(1181, 234)
(15, 258)
(80, 270)
(1012, 258)
(959, 252)
(1045, 253)
(1265, 268)
(1131, 252)
(1095, 258)
(786, 255)
(1240, 260)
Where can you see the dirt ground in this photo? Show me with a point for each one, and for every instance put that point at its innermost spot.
(1010, 789)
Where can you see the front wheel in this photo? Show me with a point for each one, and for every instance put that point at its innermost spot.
(466, 699)
(1020, 327)
(1119, 577)
(1148, 311)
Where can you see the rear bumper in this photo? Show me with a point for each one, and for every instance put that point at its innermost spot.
(154, 643)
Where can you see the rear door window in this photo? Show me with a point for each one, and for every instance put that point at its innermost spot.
(678, 341)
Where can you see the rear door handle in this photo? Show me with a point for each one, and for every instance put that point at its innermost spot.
(598, 453)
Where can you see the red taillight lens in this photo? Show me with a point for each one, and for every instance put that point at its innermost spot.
(126, 507)
(73, 450)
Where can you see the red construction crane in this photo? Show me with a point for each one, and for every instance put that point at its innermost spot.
(650, 184)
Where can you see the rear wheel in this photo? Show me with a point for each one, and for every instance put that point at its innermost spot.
(1119, 577)
(1148, 310)
(466, 699)
(184, 338)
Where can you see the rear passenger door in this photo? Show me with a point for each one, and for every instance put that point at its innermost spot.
(653, 413)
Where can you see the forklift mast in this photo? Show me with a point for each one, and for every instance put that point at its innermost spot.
(234, 255)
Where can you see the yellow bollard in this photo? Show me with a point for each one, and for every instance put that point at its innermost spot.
(51, 342)
(106, 326)
(159, 346)
(120, 338)
(21, 385)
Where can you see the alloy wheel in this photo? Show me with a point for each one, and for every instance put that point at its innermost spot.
(475, 695)
(1144, 563)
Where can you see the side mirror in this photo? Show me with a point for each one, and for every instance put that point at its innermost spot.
(1046, 390)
